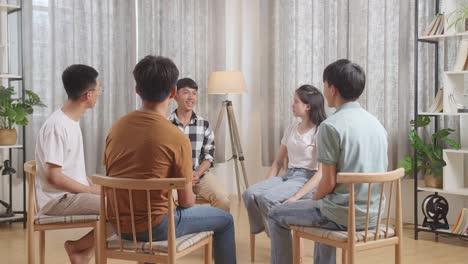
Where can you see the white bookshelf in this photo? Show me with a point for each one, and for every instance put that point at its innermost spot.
(456, 72)
(10, 70)
(443, 231)
(444, 36)
(454, 179)
(454, 85)
(16, 217)
(11, 147)
(442, 114)
(9, 8)
(461, 191)
(459, 151)
(455, 183)
(9, 76)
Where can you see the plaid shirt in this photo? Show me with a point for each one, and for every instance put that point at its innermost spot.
(201, 136)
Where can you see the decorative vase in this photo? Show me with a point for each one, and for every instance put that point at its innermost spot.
(8, 137)
(432, 181)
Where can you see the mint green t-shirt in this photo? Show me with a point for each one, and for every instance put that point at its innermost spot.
(354, 141)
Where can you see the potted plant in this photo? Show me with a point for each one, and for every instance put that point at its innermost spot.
(429, 155)
(457, 16)
(14, 111)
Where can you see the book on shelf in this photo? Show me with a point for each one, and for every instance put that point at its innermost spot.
(441, 29)
(462, 55)
(438, 103)
(436, 27)
(461, 225)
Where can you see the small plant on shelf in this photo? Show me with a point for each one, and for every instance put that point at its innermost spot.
(459, 15)
(14, 111)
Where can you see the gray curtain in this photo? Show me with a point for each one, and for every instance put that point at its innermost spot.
(378, 35)
(97, 33)
(303, 37)
(192, 34)
(279, 45)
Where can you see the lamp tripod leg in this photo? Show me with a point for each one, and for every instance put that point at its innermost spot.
(219, 120)
(235, 130)
(234, 148)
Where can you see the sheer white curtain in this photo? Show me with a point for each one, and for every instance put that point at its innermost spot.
(278, 45)
(305, 36)
(97, 33)
(192, 34)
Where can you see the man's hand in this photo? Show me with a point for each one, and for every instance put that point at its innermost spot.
(196, 178)
(95, 189)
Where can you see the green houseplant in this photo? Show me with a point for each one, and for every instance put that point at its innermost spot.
(457, 16)
(14, 111)
(429, 155)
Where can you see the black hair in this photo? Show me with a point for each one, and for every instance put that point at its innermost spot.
(348, 77)
(310, 95)
(77, 79)
(187, 82)
(155, 78)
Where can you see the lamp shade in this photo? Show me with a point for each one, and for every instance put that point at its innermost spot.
(226, 82)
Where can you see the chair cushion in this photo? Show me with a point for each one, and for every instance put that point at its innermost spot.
(68, 219)
(182, 243)
(342, 236)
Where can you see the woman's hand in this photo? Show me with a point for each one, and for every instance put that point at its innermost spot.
(291, 199)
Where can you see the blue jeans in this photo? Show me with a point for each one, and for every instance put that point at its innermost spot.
(302, 213)
(196, 219)
(260, 197)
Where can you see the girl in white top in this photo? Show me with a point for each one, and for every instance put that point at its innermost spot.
(298, 146)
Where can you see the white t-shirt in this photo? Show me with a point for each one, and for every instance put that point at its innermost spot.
(302, 150)
(59, 142)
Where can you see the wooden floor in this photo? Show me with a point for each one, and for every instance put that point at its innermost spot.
(425, 250)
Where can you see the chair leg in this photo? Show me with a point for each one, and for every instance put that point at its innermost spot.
(296, 244)
(398, 253)
(252, 247)
(301, 250)
(31, 252)
(42, 247)
(351, 254)
(344, 256)
(209, 252)
(97, 249)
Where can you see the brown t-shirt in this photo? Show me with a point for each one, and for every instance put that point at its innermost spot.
(144, 145)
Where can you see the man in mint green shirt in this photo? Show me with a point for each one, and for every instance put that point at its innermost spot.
(350, 140)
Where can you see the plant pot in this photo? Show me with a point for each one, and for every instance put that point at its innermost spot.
(8, 137)
(432, 181)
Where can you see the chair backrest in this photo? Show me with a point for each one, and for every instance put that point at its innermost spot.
(374, 179)
(30, 170)
(112, 184)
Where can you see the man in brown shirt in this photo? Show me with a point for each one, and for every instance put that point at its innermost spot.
(144, 144)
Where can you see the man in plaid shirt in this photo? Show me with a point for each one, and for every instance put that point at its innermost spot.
(200, 134)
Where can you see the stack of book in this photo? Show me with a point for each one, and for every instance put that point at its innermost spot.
(438, 103)
(461, 225)
(436, 27)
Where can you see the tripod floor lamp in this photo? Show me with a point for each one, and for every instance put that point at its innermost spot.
(230, 82)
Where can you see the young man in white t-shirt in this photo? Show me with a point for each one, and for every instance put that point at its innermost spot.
(62, 187)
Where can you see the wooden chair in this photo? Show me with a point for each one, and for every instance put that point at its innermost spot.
(352, 241)
(42, 223)
(154, 252)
